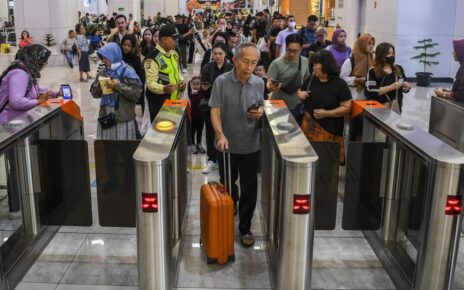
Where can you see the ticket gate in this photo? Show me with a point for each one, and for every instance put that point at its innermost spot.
(46, 187)
(407, 197)
(162, 187)
(288, 198)
(162, 194)
(443, 113)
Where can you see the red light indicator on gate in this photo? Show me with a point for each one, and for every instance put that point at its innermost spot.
(149, 202)
(453, 205)
(301, 204)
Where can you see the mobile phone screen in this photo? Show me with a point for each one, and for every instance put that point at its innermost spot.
(66, 90)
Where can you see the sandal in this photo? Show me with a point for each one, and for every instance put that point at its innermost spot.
(83, 80)
(247, 240)
(89, 77)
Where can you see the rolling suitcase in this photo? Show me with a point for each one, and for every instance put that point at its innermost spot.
(217, 219)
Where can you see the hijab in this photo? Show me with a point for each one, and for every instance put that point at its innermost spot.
(363, 59)
(337, 46)
(119, 69)
(33, 57)
(458, 46)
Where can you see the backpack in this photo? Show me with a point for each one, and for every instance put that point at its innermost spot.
(14, 65)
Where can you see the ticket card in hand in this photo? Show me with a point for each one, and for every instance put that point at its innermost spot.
(104, 85)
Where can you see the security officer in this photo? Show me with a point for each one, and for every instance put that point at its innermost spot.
(164, 80)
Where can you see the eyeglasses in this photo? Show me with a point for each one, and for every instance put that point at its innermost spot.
(293, 51)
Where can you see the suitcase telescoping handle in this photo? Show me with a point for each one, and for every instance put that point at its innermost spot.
(227, 171)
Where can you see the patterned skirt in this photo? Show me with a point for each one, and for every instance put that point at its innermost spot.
(122, 131)
(314, 132)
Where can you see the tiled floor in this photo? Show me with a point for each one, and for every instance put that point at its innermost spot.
(98, 258)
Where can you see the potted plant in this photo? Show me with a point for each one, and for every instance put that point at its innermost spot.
(49, 40)
(425, 57)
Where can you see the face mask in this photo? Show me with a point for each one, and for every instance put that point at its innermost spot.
(114, 66)
(292, 24)
(222, 27)
(194, 92)
(390, 59)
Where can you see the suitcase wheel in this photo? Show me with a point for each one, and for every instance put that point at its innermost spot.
(211, 261)
(232, 259)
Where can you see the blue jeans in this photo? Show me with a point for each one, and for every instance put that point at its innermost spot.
(69, 56)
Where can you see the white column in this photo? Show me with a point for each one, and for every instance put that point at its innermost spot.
(96, 7)
(3, 10)
(42, 17)
(171, 8)
(125, 7)
(152, 7)
(183, 7)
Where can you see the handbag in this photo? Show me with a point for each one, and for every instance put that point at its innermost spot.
(293, 84)
(108, 121)
(299, 110)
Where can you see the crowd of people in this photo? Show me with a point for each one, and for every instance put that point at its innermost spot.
(244, 62)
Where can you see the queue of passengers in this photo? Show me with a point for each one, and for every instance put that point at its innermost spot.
(244, 63)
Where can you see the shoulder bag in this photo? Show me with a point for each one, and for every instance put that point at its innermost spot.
(294, 83)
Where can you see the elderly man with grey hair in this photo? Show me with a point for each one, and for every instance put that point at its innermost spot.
(236, 109)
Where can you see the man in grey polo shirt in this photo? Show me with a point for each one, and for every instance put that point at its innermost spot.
(236, 108)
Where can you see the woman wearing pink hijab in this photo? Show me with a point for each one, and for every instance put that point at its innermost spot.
(457, 91)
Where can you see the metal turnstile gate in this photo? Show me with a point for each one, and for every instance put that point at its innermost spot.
(287, 198)
(421, 190)
(162, 195)
(162, 190)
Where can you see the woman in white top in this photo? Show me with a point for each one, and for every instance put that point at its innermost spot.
(354, 69)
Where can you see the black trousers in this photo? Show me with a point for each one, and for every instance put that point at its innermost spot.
(244, 166)
(191, 51)
(154, 105)
(183, 54)
(211, 150)
(197, 129)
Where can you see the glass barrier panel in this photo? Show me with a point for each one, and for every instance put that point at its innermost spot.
(115, 180)
(326, 184)
(63, 191)
(362, 206)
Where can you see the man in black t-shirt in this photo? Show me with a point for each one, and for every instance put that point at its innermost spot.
(277, 26)
(259, 27)
(321, 41)
(185, 31)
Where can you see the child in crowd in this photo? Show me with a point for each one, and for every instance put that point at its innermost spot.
(197, 116)
(260, 71)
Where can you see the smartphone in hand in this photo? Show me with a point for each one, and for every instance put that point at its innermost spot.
(253, 107)
(66, 91)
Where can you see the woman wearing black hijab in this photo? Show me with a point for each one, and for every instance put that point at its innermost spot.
(19, 89)
(128, 47)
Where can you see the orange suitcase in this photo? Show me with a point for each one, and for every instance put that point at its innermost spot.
(217, 222)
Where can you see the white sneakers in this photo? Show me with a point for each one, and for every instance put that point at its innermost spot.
(210, 167)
